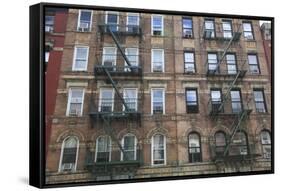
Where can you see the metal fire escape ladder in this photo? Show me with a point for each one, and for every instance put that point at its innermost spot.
(241, 116)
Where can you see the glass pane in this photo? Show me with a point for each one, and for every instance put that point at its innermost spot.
(187, 23)
(258, 96)
(247, 27)
(112, 18)
(191, 96)
(226, 25)
(194, 140)
(103, 144)
(133, 20)
(158, 154)
(85, 16)
(76, 95)
(158, 141)
(49, 20)
(188, 57)
(157, 21)
(252, 59)
(220, 139)
(81, 53)
(235, 95)
(107, 94)
(71, 142)
(129, 142)
(209, 24)
(212, 58)
(216, 95)
(158, 95)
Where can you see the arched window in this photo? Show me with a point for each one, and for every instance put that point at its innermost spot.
(266, 144)
(129, 144)
(158, 149)
(239, 144)
(220, 142)
(194, 147)
(103, 149)
(69, 154)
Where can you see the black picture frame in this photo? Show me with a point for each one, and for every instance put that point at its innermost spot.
(37, 155)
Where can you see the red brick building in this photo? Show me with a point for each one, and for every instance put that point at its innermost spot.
(55, 28)
(266, 36)
(144, 95)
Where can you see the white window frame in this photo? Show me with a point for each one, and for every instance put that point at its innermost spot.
(137, 54)
(163, 58)
(74, 59)
(136, 96)
(115, 53)
(152, 99)
(112, 12)
(162, 27)
(127, 20)
(100, 98)
(91, 20)
(135, 145)
(110, 145)
(165, 147)
(61, 154)
(69, 100)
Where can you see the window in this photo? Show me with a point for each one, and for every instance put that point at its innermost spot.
(191, 101)
(236, 101)
(259, 101)
(158, 101)
(129, 144)
(109, 57)
(157, 60)
(231, 63)
(133, 22)
(48, 48)
(75, 102)
(194, 148)
(216, 100)
(158, 149)
(69, 155)
(187, 27)
(130, 97)
(253, 64)
(103, 149)
(106, 102)
(248, 31)
(80, 58)
(239, 144)
(157, 25)
(266, 144)
(133, 56)
(84, 20)
(111, 19)
(212, 62)
(189, 62)
(209, 28)
(220, 142)
(49, 23)
(227, 29)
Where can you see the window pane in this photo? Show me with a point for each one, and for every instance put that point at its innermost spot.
(187, 23)
(85, 16)
(133, 20)
(220, 139)
(71, 142)
(216, 95)
(258, 96)
(188, 57)
(212, 58)
(191, 97)
(112, 18)
(194, 140)
(226, 25)
(252, 59)
(157, 21)
(247, 27)
(209, 25)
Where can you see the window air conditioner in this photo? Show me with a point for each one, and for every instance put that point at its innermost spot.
(84, 27)
(48, 29)
(187, 34)
(68, 166)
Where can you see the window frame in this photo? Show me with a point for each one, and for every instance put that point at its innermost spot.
(183, 28)
(127, 20)
(164, 148)
(136, 97)
(51, 27)
(115, 55)
(214, 30)
(219, 102)
(197, 102)
(194, 62)
(110, 148)
(217, 63)
(69, 101)
(152, 99)
(106, 19)
(101, 98)
(252, 31)
(220, 146)
(162, 26)
(264, 101)
(200, 148)
(137, 55)
(235, 64)
(75, 57)
(257, 64)
(135, 146)
(163, 60)
(240, 97)
(79, 21)
(232, 144)
(60, 169)
(266, 144)
(231, 28)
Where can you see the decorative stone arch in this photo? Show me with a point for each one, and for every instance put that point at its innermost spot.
(154, 131)
(124, 132)
(259, 129)
(220, 128)
(68, 133)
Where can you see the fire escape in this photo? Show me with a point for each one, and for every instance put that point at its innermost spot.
(222, 107)
(119, 110)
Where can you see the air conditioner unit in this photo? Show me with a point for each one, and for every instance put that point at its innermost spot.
(84, 27)
(67, 166)
(255, 71)
(48, 29)
(267, 155)
(190, 70)
(188, 34)
(243, 151)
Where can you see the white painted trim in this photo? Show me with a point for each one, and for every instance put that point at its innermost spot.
(100, 97)
(135, 145)
(79, 15)
(152, 143)
(112, 12)
(136, 95)
(74, 58)
(163, 58)
(137, 54)
(162, 28)
(110, 145)
(61, 154)
(69, 100)
(103, 53)
(132, 14)
(152, 98)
